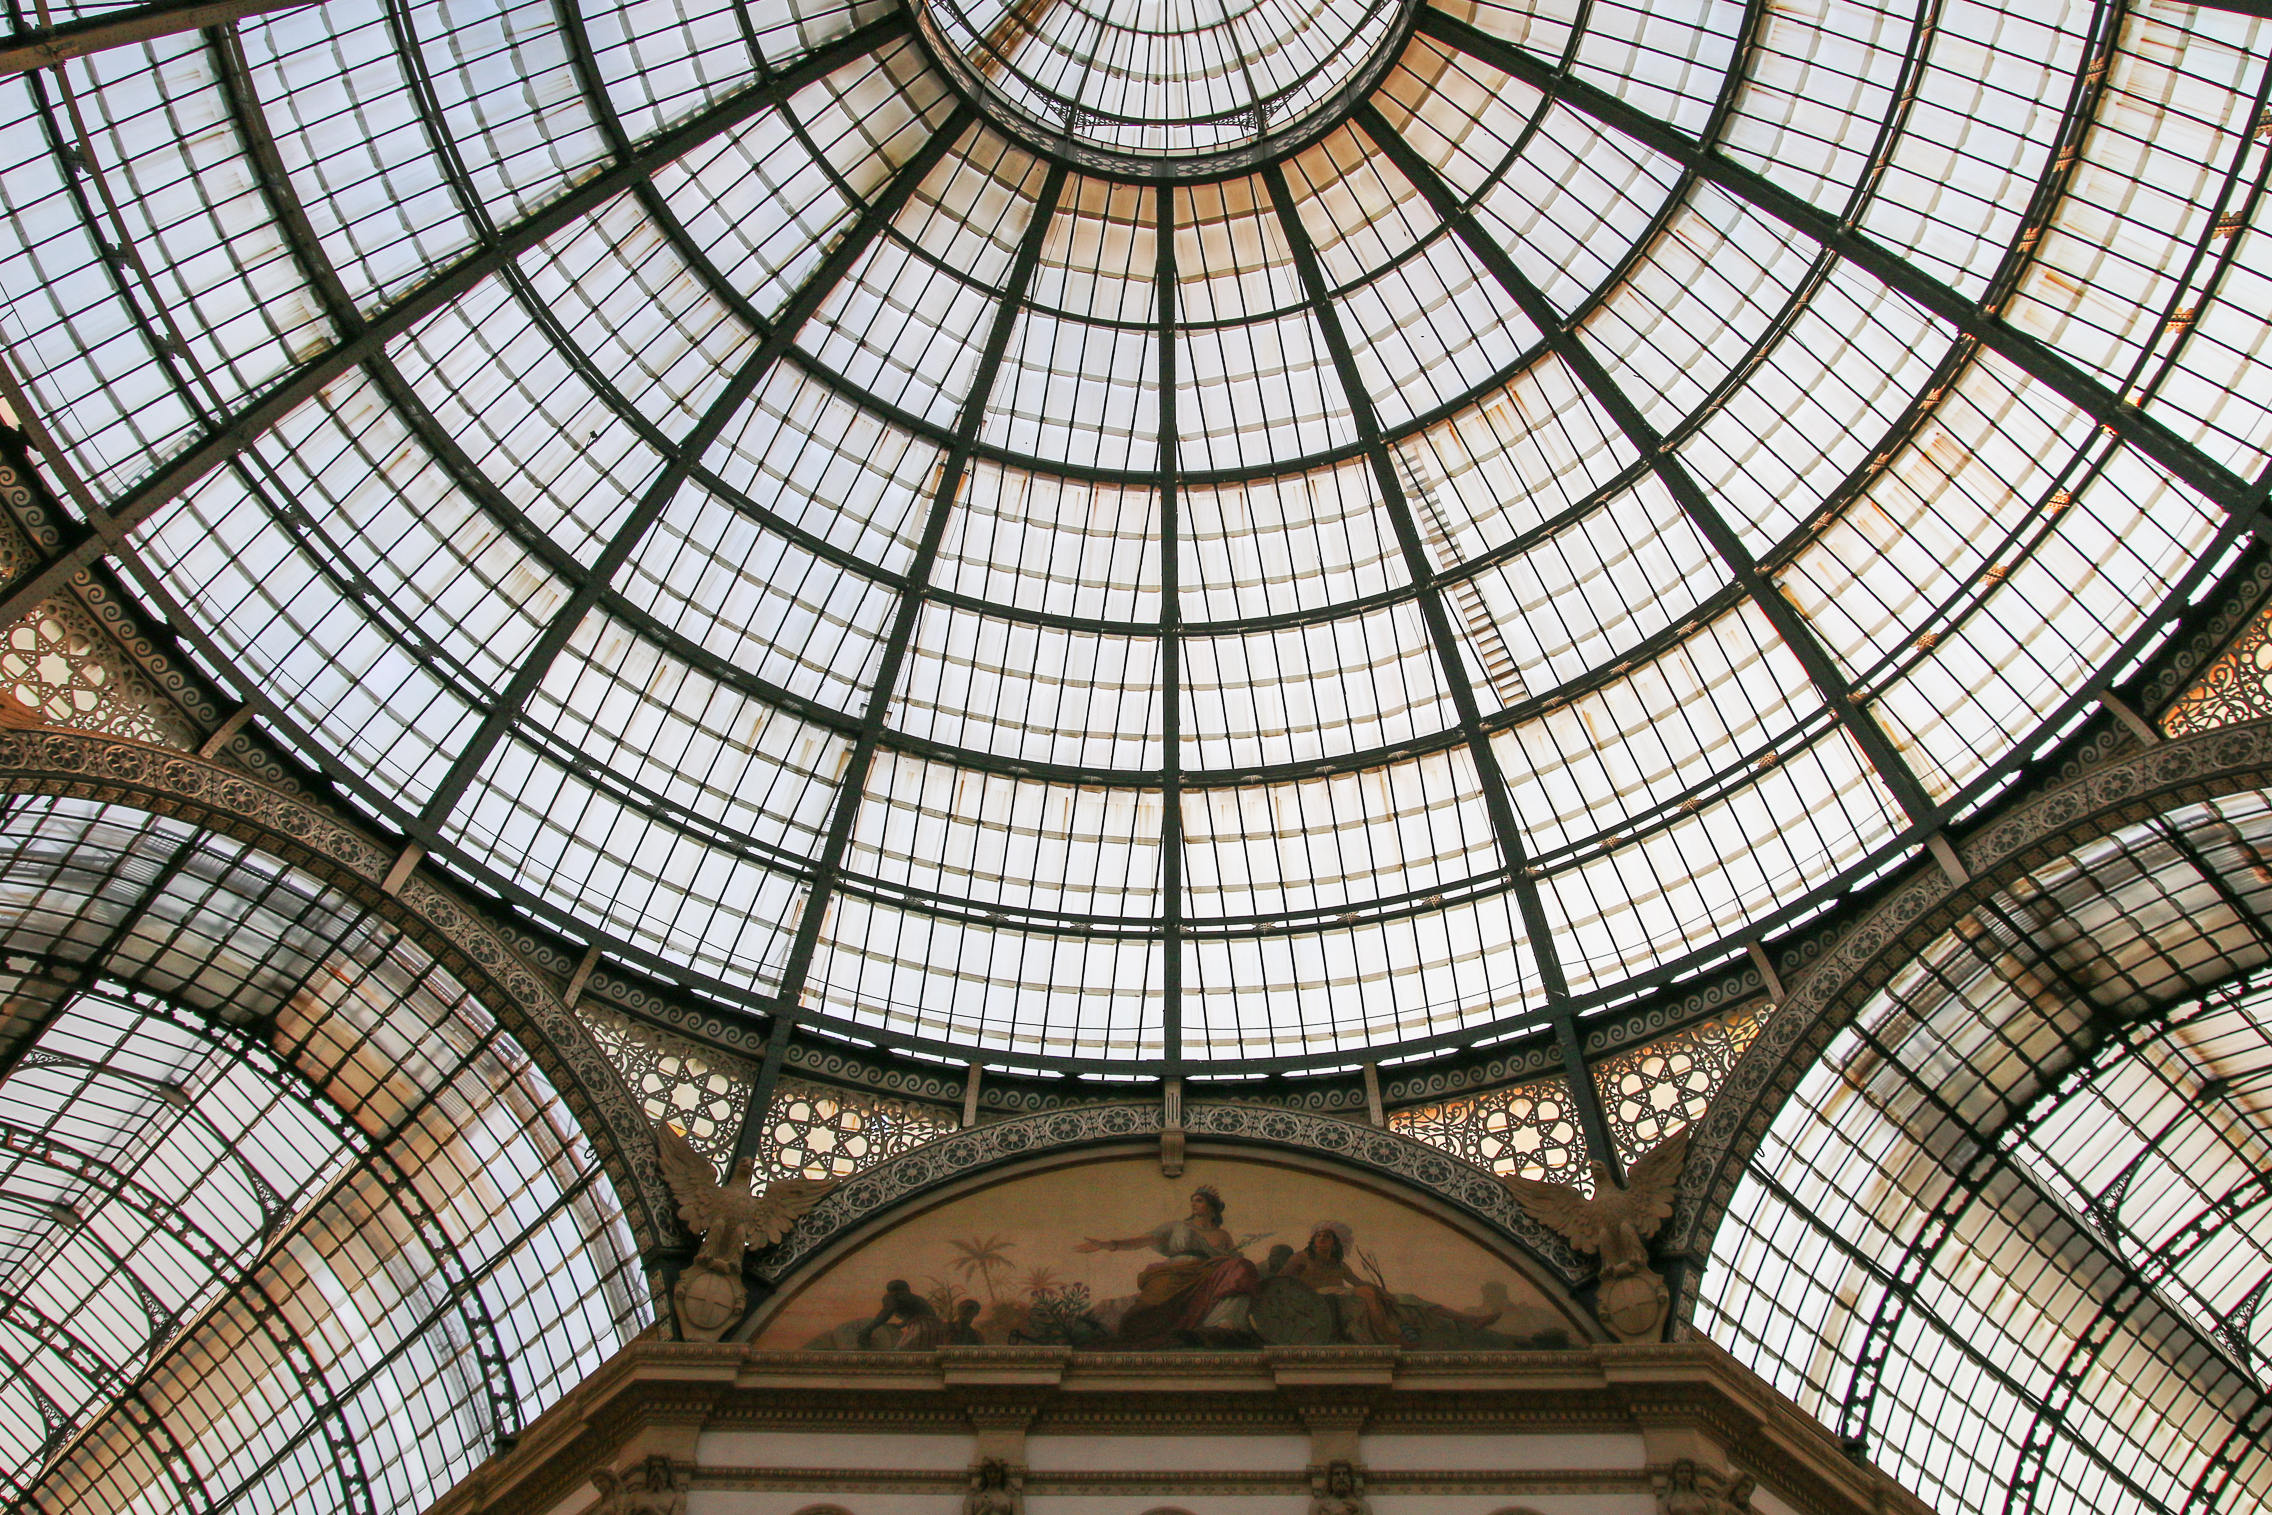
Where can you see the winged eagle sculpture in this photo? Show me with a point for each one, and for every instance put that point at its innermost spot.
(731, 1220)
(1617, 1223)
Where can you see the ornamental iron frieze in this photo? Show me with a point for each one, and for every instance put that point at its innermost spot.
(816, 1131)
(1527, 1129)
(2236, 688)
(699, 1090)
(58, 667)
(1650, 1092)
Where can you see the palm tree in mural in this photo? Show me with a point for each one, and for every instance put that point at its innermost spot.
(1042, 1280)
(982, 1260)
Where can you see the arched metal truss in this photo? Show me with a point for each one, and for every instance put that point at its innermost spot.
(1200, 972)
(260, 1150)
(1603, 504)
(316, 844)
(2010, 1130)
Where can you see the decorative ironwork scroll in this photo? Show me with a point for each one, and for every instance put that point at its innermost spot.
(816, 1131)
(700, 1090)
(2235, 688)
(1649, 1092)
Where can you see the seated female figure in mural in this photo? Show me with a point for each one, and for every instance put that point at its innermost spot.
(1200, 1294)
(1367, 1313)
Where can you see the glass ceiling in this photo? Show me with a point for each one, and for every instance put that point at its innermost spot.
(287, 1220)
(2015, 1228)
(1629, 476)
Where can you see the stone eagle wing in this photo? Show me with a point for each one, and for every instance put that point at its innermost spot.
(701, 1199)
(1650, 1184)
(1560, 1208)
(779, 1207)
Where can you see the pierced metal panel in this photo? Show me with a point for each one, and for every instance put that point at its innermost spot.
(59, 667)
(1525, 1129)
(818, 1131)
(1649, 1092)
(2237, 687)
(698, 1089)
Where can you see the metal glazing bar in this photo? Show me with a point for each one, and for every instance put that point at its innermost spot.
(2247, 1435)
(899, 641)
(94, 963)
(1790, 625)
(1171, 643)
(111, 1382)
(239, 430)
(55, 1429)
(1970, 319)
(472, 1308)
(1988, 1367)
(1995, 1158)
(2232, 898)
(1583, 1095)
(2043, 959)
(506, 709)
(46, 46)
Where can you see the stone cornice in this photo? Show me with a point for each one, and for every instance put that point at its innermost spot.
(1690, 1385)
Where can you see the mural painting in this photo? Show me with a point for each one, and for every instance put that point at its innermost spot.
(1109, 1256)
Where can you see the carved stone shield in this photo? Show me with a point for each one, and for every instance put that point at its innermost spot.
(1633, 1307)
(708, 1302)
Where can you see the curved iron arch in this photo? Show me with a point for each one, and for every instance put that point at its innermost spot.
(1822, 998)
(2131, 791)
(233, 1264)
(316, 842)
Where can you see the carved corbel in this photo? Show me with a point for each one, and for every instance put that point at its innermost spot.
(996, 1488)
(654, 1486)
(1338, 1488)
(1693, 1488)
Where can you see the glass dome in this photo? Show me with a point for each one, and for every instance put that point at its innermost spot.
(721, 480)
(1152, 80)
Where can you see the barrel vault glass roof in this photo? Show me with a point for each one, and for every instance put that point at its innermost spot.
(2014, 1230)
(1492, 544)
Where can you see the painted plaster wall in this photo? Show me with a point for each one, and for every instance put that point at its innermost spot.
(1471, 1453)
(1190, 1454)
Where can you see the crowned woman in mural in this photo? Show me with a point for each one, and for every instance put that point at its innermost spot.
(1200, 1294)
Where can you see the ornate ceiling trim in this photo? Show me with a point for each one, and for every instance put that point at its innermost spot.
(309, 837)
(1825, 997)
